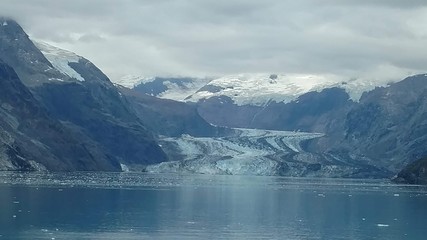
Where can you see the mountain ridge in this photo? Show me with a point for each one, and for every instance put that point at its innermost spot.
(93, 108)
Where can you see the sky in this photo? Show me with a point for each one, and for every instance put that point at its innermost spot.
(376, 39)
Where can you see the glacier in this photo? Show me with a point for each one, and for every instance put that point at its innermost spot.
(248, 152)
(254, 152)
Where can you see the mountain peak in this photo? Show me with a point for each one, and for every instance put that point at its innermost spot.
(5, 21)
(9, 28)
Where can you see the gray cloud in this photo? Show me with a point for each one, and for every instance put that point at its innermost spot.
(380, 38)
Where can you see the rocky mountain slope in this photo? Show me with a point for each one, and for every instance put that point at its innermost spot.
(80, 96)
(414, 173)
(30, 139)
(390, 124)
(167, 117)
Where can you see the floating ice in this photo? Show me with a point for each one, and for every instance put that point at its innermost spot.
(382, 225)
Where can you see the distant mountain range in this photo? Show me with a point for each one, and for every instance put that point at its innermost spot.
(377, 123)
(59, 112)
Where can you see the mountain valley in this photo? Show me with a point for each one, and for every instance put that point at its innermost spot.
(59, 112)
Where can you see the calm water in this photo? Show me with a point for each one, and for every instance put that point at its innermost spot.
(147, 206)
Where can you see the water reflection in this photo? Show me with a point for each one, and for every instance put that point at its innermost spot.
(207, 207)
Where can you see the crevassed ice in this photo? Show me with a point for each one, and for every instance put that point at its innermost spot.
(60, 59)
(247, 152)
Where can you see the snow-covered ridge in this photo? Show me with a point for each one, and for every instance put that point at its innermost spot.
(253, 89)
(131, 81)
(175, 87)
(179, 92)
(259, 89)
(60, 59)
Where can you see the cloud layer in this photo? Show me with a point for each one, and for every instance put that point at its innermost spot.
(350, 39)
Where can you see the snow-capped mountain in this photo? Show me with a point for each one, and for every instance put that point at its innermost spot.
(248, 89)
(59, 110)
(260, 89)
(174, 88)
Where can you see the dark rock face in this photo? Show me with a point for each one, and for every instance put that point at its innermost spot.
(19, 52)
(93, 109)
(169, 118)
(309, 112)
(30, 137)
(102, 115)
(390, 124)
(414, 173)
(222, 111)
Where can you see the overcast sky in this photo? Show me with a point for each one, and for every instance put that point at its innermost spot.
(347, 38)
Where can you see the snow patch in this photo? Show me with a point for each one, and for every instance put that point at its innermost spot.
(180, 93)
(60, 59)
(131, 81)
(124, 167)
(56, 79)
(4, 23)
(382, 225)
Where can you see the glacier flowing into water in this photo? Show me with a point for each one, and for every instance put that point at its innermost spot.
(257, 152)
(246, 152)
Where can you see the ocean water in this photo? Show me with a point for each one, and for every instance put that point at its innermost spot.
(155, 206)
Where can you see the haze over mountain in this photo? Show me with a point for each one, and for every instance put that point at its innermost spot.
(221, 38)
(237, 124)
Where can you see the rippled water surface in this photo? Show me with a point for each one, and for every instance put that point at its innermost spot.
(148, 206)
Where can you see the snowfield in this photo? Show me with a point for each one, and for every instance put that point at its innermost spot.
(177, 88)
(260, 89)
(257, 89)
(131, 81)
(60, 60)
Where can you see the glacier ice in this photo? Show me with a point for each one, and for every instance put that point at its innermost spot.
(246, 152)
